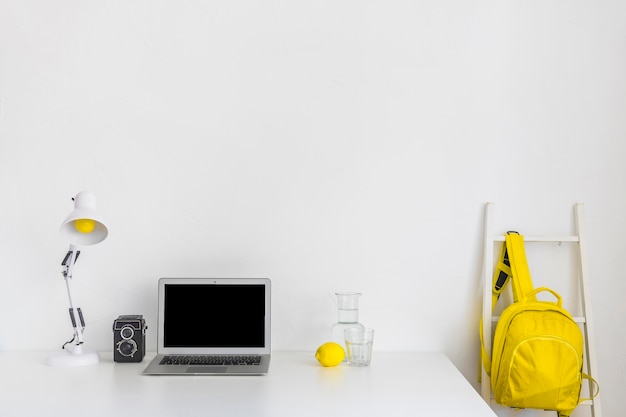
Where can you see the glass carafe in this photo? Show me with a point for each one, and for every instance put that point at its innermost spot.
(348, 315)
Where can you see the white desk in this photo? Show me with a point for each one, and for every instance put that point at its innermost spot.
(396, 384)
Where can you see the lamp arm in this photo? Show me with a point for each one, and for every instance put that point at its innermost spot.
(76, 315)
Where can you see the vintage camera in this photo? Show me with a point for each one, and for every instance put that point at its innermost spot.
(129, 338)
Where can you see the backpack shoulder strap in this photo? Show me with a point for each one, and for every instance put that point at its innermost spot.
(512, 264)
(501, 275)
(522, 282)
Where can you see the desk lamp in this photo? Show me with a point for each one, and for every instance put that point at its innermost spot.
(83, 226)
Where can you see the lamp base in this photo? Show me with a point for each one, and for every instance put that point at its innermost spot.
(77, 356)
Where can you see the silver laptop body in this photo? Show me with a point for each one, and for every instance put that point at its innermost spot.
(213, 326)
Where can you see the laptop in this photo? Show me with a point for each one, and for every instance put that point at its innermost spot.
(213, 326)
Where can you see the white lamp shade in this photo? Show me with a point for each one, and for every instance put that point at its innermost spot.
(84, 209)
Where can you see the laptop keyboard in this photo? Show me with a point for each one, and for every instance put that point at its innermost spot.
(211, 360)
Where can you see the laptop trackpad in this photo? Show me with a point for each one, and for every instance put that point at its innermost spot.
(199, 369)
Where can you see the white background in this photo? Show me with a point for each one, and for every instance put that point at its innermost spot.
(327, 145)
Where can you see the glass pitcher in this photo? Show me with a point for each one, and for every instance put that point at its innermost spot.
(347, 315)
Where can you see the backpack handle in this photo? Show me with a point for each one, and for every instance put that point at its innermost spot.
(559, 301)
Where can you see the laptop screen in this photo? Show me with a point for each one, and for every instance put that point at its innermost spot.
(224, 315)
(214, 316)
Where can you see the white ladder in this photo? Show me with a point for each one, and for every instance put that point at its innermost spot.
(585, 321)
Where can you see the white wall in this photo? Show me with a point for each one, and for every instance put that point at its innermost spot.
(328, 145)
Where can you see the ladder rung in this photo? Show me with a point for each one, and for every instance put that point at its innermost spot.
(492, 401)
(495, 319)
(500, 238)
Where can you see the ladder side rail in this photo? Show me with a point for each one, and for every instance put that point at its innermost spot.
(590, 347)
(487, 283)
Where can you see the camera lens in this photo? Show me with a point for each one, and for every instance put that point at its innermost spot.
(127, 332)
(127, 347)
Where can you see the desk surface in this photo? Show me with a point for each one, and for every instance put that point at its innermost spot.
(396, 384)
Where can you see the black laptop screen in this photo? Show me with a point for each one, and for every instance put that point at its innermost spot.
(214, 316)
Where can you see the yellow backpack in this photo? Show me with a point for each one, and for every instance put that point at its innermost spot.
(537, 354)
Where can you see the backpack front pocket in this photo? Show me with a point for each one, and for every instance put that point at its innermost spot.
(542, 372)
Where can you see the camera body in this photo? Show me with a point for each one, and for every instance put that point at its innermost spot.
(129, 338)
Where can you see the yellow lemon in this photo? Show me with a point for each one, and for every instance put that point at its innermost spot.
(330, 354)
(85, 225)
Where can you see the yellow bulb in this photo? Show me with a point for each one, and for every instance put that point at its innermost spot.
(85, 225)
